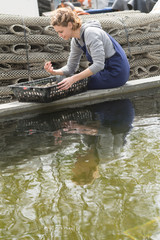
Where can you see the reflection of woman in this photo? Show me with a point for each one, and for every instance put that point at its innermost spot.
(102, 129)
(85, 170)
(109, 66)
(104, 140)
(116, 119)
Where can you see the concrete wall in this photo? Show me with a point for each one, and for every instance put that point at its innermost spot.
(20, 7)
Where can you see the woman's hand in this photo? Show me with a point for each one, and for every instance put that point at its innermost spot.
(49, 68)
(66, 83)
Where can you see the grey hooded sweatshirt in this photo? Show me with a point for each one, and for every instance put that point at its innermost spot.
(98, 45)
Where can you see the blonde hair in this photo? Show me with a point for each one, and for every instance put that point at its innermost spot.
(62, 16)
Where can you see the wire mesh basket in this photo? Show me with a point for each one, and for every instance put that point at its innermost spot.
(46, 90)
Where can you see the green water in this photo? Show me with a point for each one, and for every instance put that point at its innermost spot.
(86, 174)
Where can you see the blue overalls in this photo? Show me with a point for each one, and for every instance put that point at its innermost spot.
(115, 72)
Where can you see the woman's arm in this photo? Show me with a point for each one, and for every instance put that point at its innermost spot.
(72, 63)
(73, 60)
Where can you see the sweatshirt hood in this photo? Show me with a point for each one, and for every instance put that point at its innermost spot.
(92, 23)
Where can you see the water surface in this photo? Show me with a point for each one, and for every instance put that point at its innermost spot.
(90, 173)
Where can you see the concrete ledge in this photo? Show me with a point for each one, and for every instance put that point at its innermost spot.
(130, 87)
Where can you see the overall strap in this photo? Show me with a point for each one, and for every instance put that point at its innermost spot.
(78, 42)
(84, 49)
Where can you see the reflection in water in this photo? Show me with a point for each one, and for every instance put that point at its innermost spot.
(111, 121)
(102, 127)
(116, 120)
(86, 167)
(81, 174)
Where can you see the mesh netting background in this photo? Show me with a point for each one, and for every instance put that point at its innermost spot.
(27, 42)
